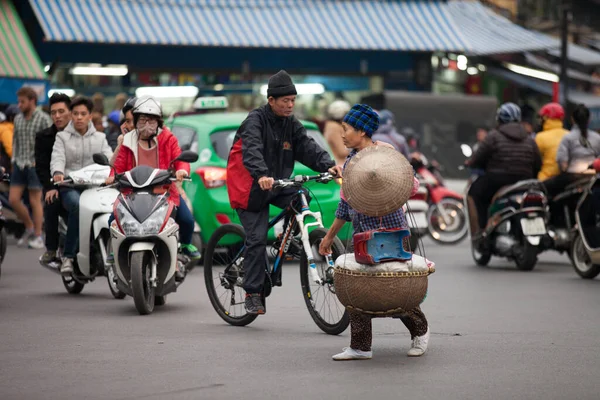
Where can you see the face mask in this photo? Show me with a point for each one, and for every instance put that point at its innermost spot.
(147, 129)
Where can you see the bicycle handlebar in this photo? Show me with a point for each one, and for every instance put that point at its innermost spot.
(300, 180)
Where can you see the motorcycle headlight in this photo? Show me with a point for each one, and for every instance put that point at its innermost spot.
(129, 225)
(151, 226)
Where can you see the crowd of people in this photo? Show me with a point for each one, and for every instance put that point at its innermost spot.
(40, 150)
(514, 150)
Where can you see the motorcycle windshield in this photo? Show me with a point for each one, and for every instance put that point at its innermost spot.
(142, 205)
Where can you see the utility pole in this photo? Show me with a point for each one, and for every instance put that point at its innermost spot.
(564, 57)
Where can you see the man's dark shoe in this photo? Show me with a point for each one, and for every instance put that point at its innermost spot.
(253, 303)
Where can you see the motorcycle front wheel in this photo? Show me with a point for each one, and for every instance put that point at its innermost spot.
(581, 260)
(447, 221)
(141, 286)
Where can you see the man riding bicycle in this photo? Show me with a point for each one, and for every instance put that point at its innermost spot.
(265, 148)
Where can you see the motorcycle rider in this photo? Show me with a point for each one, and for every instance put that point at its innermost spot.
(73, 149)
(265, 148)
(44, 141)
(387, 133)
(126, 125)
(507, 155)
(548, 140)
(333, 130)
(577, 150)
(153, 144)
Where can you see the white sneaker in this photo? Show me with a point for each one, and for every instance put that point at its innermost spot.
(25, 238)
(419, 345)
(67, 266)
(36, 243)
(351, 354)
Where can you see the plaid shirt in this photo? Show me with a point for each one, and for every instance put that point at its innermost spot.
(24, 137)
(363, 223)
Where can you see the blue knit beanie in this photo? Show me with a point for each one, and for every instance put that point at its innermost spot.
(362, 118)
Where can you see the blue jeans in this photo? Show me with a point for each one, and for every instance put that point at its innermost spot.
(184, 219)
(70, 201)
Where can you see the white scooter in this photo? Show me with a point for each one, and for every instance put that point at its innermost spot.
(145, 237)
(95, 207)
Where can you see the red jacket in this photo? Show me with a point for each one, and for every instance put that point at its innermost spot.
(168, 150)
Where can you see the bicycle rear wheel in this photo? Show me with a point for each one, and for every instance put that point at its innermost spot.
(322, 303)
(224, 274)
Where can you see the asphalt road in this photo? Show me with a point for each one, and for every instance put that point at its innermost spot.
(497, 333)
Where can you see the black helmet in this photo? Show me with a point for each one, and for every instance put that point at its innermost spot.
(129, 104)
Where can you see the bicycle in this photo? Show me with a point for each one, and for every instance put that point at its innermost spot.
(226, 248)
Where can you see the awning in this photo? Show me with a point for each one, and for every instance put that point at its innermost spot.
(18, 59)
(578, 54)
(417, 25)
(544, 87)
(544, 64)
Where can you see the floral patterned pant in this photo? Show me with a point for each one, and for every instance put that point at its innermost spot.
(361, 330)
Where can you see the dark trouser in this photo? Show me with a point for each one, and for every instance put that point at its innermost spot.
(185, 220)
(256, 226)
(70, 201)
(556, 184)
(361, 330)
(483, 190)
(51, 213)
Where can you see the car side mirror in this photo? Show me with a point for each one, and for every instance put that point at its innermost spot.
(187, 156)
(100, 159)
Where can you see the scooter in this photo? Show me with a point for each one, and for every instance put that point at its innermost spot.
(447, 222)
(562, 225)
(145, 237)
(585, 246)
(516, 227)
(95, 206)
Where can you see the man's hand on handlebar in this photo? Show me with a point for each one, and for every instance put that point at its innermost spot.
(336, 171)
(58, 178)
(266, 183)
(109, 181)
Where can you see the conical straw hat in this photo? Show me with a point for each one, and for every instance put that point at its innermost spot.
(377, 181)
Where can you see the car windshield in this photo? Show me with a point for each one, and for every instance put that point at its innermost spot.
(223, 140)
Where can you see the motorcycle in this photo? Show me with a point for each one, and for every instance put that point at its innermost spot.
(415, 210)
(562, 226)
(12, 224)
(145, 237)
(516, 227)
(585, 244)
(95, 206)
(447, 222)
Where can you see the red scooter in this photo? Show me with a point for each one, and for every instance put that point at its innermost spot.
(446, 213)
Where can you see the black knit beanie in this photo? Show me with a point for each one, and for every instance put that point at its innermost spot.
(280, 85)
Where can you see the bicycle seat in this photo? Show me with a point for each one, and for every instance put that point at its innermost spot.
(518, 187)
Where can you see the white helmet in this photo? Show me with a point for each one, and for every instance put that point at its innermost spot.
(147, 105)
(338, 109)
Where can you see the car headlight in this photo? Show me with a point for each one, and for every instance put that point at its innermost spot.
(132, 227)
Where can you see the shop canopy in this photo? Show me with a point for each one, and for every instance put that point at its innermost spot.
(383, 25)
(18, 59)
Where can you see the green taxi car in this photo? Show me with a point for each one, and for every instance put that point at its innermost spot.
(211, 136)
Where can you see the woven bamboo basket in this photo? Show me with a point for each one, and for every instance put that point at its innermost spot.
(381, 293)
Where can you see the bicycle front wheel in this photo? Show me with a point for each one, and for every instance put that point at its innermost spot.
(322, 303)
(224, 274)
